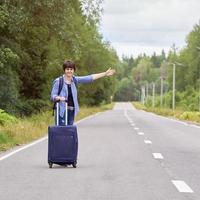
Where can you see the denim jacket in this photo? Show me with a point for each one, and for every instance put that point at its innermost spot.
(64, 92)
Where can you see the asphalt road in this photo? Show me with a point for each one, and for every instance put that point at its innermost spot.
(123, 154)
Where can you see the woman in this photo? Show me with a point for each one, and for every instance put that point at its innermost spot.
(69, 90)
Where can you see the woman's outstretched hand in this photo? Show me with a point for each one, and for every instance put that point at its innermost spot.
(110, 72)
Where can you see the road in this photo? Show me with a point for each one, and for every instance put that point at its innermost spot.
(124, 154)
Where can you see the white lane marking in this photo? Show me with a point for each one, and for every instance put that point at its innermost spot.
(184, 123)
(195, 126)
(152, 114)
(147, 142)
(132, 124)
(40, 140)
(140, 133)
(181, 186)
(136, 128)
(158, 156)
(128, 119)
(22, 148)
(86, 118)
(175, 120)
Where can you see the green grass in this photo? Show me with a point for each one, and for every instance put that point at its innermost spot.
(28, 129)
(177, 113)
(6, 140)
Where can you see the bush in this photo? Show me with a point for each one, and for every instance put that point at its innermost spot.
(29, 107)
(6, 118)
(188, 100)
(192, 116)
(139, 106)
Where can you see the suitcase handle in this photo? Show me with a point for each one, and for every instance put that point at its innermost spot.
(56, 101)
(57, 112)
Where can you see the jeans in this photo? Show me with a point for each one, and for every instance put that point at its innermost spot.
(70, 120)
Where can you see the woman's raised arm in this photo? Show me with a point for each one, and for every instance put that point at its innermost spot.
(109, 72)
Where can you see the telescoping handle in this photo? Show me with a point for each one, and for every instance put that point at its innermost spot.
(66, 113)
(57, 112)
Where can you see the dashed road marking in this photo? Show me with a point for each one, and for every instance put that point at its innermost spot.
(140, 133)
(158, 156)
(147, 142)
(182, 186)
(136, 128)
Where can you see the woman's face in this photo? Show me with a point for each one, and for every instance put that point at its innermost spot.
(69, 72)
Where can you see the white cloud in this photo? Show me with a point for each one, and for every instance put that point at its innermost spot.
(148, 23)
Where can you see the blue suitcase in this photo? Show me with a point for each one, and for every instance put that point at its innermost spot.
(62, 143)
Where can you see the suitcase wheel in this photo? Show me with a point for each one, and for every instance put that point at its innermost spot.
(74, 164)
(50, 165)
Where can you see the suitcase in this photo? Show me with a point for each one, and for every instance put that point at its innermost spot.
(62, 142)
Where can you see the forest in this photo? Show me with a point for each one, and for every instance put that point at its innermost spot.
(149, 79)
(35, 39)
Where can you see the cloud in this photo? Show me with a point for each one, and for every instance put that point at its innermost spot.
(157, 23)
(149, 37)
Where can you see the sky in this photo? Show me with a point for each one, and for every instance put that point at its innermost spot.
(134, 27)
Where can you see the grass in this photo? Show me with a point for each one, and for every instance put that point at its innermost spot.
(28, 129)
(177, 113)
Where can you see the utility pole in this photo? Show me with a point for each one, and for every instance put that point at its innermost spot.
(199, 81)
(139, 99)
(153, 100)
(143, 94)
(147, 90)
(199, 91)
(161, 91)
(174, 82)
(174, 48)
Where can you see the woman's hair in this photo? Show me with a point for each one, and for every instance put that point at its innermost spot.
(69, 64)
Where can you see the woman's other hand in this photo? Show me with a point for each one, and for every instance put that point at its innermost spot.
(58, 98)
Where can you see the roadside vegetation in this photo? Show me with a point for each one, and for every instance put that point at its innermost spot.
(192, 116)
(18, 131)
